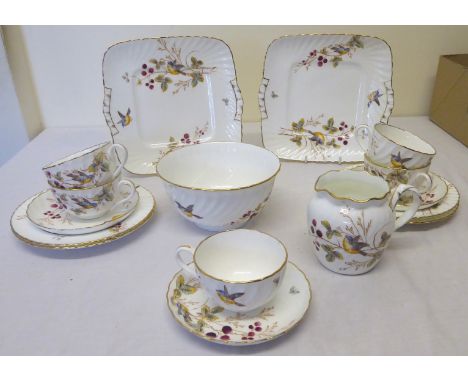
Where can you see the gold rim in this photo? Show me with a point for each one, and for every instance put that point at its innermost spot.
(64, 160)
(317, 189)
(283, 264)
(166, 37)
(368, 159)
(382, 120)
(435, 218)
(218, 341)
(28, 214)
(399, 144)
(220, 189)
(90, 243)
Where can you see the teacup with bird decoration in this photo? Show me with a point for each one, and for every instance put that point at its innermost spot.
(95, 201)
(351, 218)
(393, 147)
(93, 166)
(241, 270)
(418, 178)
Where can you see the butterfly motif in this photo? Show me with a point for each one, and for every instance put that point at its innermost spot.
(226, 101)
(274, 95)
(229, 298)
(125, 77)
(293, 290)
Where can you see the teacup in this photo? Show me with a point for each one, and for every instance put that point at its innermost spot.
(94, 202)
(93, 166)
(390, 146)
(418, 178)
(240, 270)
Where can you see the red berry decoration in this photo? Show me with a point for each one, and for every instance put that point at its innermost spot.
(151, 86)
(258, 329)
(143, 73)
(251, 334)
(54, 205)
(144, 66)
(251, 326)
(226, 329)
(314, 222)
(325, 60)
(345, 142)
(225, 337)
(211, 334)
(244, 338)
(186, 135)
(258, 323)
(320, 63)
(319, 233)
(312, 229)
(340, 138)
(320, 58)
(151, 70)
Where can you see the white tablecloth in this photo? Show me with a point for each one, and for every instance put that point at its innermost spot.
(111, 299)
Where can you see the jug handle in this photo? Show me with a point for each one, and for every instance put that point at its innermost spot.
(413, 208)
(362, 136)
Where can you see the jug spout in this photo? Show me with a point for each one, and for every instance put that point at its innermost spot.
(356, 186)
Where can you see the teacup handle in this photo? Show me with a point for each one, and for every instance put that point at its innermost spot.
(362, 136)
(120, 188)
(409, 213)
(427, 185)
(112, 151)
(180, 260)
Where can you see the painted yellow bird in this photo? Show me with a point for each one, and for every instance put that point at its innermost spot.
(174, 68)
(188, 211)
(353, 245)
(227, 298)
(397, 161)
(318, 137)
(126, 119)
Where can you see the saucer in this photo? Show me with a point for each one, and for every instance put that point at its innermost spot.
(192, 309)
(438, 212)
(26, 231)
(430, 198)
(44, 212)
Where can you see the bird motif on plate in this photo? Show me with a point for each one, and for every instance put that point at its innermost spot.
(374, 97)
(125, 119)
(174, 68)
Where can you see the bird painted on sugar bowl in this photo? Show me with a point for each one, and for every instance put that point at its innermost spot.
(397, 161)
(126, 119)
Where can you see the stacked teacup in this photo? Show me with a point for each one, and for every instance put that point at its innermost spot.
(397, 156)
(88, 184)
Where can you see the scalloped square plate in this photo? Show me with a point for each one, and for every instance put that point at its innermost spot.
(162, 93)
(317, 89)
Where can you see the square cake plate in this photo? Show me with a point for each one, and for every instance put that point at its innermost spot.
(162, 93)
(317, 89)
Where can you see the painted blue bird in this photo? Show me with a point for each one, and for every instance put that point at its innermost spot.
(125, 119)
(353, 245)
(80, 177)
(397, 161)
(85, 203)
(188, 211)
(227, 298)
(174, 68)
(374, 97)
(340, 49)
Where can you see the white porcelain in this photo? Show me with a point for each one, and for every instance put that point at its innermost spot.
(27, 232)
(192, 309)
(431, 197)
(94, 202)
(240, 270)
(351, 218)
(439, 212)
(93, 166)
(193, 98)
(418, 178)
(219, 185)
(310, 110)
(47, 214)
(391, 146)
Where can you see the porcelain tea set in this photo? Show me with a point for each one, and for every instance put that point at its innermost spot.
(238, 286)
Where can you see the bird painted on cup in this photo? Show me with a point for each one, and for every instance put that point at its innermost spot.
(80, 177)
(397, 161)
(188, 211)
(174, 68)
(85, 203)
(229, 299)
(353, 245)
(374, 97)
(126, 119)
